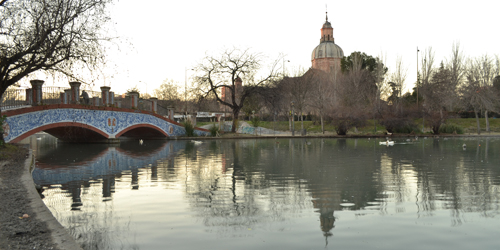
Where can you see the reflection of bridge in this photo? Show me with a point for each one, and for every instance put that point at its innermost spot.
(70, 122)
(112, 161)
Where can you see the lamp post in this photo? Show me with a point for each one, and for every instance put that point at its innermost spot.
(293, 121)
(418, 78)
(423, 118)
(185, 91)
(146, 86)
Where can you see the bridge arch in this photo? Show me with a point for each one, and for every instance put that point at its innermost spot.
(142, 129)
(60, 130)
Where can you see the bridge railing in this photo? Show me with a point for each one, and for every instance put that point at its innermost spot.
(21, 97)
(52, 95)
(13, 98)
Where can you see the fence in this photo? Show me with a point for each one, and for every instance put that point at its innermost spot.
(19, 98)
(14, 98)
(52, 95)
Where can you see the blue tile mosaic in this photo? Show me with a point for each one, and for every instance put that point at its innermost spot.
(109, 122)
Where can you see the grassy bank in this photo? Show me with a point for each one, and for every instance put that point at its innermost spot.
(467, 124)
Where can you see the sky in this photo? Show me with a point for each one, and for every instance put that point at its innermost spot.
(167, 38)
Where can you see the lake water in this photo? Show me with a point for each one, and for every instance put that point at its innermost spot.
(275, 194)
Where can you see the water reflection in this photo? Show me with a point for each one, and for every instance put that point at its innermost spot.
(266, 189)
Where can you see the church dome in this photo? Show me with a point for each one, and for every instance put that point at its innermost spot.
(327, 25)
(327, 50)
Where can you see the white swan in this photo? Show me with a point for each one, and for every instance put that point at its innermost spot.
(388, 143)
(196, 142)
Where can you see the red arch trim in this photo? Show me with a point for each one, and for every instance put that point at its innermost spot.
(57, 125)
(142, 125)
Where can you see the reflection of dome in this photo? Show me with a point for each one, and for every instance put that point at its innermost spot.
(327, 49)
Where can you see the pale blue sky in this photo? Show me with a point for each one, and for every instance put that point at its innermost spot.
(169, 36)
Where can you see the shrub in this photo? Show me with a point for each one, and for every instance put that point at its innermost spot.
(451, 129)
(400, 125)
(214, 130)
(255, 121)
(407, 129)
(343, 124)
(188, 126)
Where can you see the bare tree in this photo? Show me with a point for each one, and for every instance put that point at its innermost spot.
(398, 77)
(298, 88)
(272, 98)
(357, 92)
(220, 73)
(322, 94)
(438, 92)
(168, 93)
(477, 92)
(383, 88)
(56, 36)
(427, 67)
(456, 65)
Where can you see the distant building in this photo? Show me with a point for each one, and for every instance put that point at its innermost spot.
(226, 93)
(327, 55)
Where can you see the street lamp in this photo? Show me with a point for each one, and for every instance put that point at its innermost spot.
(185, 91)
(418, 78)
(146, 87)
(293, 121)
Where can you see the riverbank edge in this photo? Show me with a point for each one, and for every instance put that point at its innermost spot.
(59, 234)
(315, 136)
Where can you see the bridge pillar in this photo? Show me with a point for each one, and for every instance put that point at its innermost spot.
(134, 99)
(170, 111)
(36, 92)
(154, 104)
(111, 98)
(67, 96)
(75, 92)
(95, 101)
(105, 95)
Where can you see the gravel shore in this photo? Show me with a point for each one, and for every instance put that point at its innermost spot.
(25, 221)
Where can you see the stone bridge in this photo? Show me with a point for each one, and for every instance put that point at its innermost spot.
(81, 123)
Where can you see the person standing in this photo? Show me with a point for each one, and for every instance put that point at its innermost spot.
(85, 96)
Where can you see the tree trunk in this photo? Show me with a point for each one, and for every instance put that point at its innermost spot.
(2, 141)
(477, 121)
(290, 123)
(301, 124)
(236, 112)
(322, 125)
(487, 121)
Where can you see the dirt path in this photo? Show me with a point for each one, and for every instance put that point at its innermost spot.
(25, 221)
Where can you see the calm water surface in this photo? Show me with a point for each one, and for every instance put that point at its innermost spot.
(275, 194)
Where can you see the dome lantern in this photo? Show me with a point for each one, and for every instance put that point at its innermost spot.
(327, 55)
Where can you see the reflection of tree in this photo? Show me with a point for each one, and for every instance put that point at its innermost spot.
(447, 176)
(262, 181)
(338, 175)
(230, 188)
